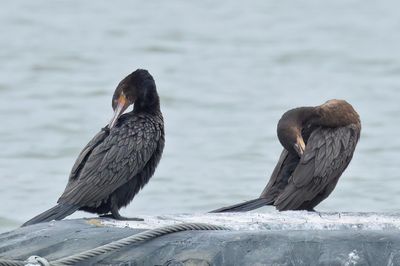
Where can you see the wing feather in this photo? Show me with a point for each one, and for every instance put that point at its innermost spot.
(87, 150)
(118, 158)
(279, 177)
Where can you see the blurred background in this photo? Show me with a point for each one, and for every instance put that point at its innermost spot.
(226, 71)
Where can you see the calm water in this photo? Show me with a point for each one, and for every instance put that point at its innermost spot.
(225, 72)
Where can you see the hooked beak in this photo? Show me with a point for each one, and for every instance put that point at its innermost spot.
(299, 146)
(122, 104)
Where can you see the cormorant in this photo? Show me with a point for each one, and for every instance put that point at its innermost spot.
(319, 143)
(120, 159)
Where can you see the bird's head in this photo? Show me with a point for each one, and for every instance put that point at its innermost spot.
(290, 137)
(139, 89)
(290, 128)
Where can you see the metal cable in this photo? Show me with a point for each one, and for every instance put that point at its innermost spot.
(143, 236)
(5, 262)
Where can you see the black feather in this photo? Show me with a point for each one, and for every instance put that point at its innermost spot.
(58, 212)
(245, 206)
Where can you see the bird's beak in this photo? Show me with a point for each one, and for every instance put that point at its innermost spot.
(122, 104)
(299, 146)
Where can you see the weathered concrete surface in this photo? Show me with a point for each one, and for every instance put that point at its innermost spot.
(251, 247)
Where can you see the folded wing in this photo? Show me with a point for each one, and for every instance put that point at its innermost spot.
(328, 153)
(109, 162)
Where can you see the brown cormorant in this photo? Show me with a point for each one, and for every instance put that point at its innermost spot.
(120, 159)
(319, 143)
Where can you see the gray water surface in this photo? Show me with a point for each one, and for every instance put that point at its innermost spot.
(226, 71)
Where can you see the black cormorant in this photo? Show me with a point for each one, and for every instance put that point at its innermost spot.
(120, 159)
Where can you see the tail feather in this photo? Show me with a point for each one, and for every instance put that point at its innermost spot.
(58, 212)
(245, 206)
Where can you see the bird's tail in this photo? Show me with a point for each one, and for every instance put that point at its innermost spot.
(58, 212)
(245, 206)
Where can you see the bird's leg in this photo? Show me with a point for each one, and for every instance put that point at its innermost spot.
(115, 212)
(115, 215)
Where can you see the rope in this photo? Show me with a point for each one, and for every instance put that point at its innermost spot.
(31, 261)
(5, 262)
(36, 260)
(143, 236)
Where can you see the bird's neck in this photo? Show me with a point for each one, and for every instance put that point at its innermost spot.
(148, 104)
(337, 116)
(301, 116)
